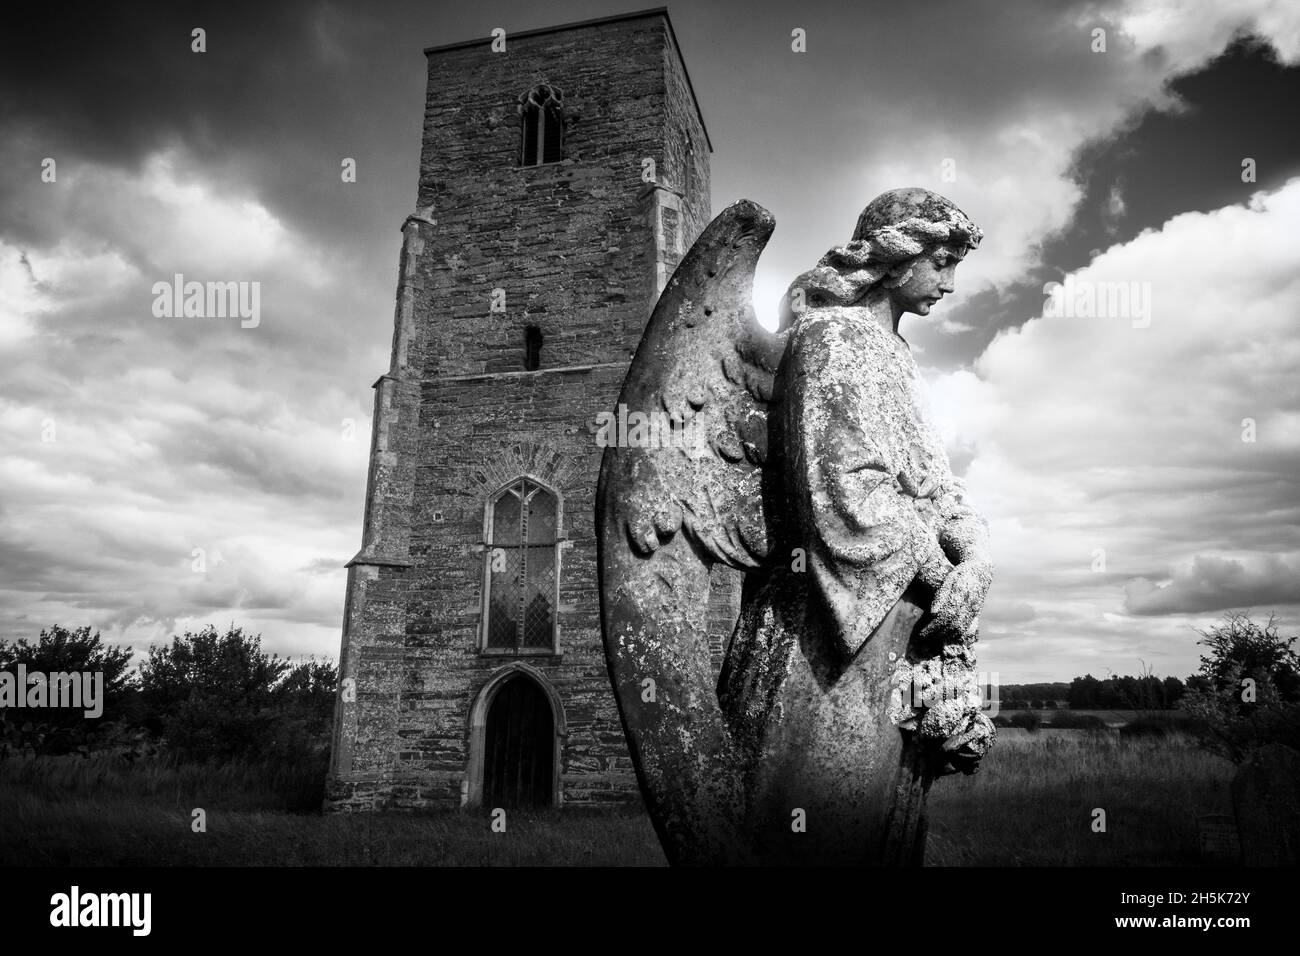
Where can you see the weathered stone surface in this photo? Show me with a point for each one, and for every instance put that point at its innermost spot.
(581, 248)
(661, 500)
(805, 460)
(1266, 800)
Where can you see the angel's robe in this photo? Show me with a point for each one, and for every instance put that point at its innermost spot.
(810, 673)
(875, 501)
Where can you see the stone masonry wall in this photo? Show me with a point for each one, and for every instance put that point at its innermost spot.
(579, 247)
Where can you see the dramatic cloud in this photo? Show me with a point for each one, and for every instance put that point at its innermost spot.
(1182, 30)
(1212, 584)
(165, 473)
(1109, 450)
(988, 106)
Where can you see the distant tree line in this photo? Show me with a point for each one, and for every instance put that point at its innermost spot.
(1147, 692)
(1088, 693)
(205, 696)
(208, 696)
(1031, 696)
(1245, 695)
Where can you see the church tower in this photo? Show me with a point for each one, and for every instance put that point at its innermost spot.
(563, 174)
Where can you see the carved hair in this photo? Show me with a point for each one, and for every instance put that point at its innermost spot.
(896, 229)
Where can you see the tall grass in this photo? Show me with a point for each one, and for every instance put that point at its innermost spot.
(102, 811)
(295, 786)
(1032, 804)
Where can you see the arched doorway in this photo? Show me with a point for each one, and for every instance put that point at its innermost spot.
(519, 746)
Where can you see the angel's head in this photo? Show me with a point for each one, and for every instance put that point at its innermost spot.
(906, 245)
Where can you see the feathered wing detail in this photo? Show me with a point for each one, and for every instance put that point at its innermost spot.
(705, 368)
(681, 488)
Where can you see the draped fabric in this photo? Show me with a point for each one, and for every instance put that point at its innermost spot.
(868, 477)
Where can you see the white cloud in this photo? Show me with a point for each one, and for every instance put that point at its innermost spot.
(1210, 583)
(33, 283)
(170, 435)
(1092, 434)
(1186, 29)
(1012, 134)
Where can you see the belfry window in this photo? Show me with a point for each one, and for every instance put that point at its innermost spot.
(532, 348)
(541, 138)
(521, 569)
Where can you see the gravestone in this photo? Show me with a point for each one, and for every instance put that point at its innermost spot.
(806, 460)
(1266, 798)
(1217, 836)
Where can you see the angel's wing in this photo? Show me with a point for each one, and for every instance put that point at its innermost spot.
(673, 501)
(707, 367)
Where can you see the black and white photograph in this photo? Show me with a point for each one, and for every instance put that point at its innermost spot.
(441, 441)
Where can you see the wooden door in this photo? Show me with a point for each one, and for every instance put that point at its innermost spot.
(519, 758)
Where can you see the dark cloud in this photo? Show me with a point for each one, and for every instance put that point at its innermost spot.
(225, 165)
(1161, 163)
(1214, 584)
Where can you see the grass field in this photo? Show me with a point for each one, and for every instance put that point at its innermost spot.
(1113, 718)
(1032, 804)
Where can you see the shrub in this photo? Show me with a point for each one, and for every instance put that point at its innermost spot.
(220, 696)
(205, 696)
(1248, 691)
(53, 731)
(1068, 720)
(1026, 720)
(1159, 725)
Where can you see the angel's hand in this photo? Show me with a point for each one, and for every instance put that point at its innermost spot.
(957, 605)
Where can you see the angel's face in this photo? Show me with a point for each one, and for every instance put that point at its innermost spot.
(932, 278)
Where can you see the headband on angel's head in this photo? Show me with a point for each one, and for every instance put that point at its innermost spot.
(895, 229)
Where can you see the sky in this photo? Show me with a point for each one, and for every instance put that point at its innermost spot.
(1139, 462)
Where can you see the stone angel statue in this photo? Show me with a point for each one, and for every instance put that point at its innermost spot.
(804, 458)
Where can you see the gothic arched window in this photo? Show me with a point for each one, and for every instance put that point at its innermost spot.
(541, 126)
(521, 569)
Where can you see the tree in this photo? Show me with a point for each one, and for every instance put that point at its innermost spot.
(1248, 694)
(1172, 690)
(219, 696)
(1239, 649)
(59, 730)
(1085, 693)
(305, 704)
(212, 695)
(1198, 682)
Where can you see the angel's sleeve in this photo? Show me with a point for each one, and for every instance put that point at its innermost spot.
(865, 540)
(965, 532)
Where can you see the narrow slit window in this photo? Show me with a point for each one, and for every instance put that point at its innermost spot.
(688, 161)
(532, 348)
